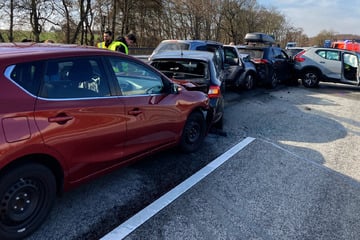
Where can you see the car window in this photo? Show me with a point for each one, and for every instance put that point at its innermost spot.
(136, 79)
(333, 55)
(284, 54)
(269, 53)
(278, 53)
(26, 75)
(321, 53)
(231, 56)
(67, 78)
(328, 54)
(74, 78)
(217, 50)
(351, 60)
(217, 68)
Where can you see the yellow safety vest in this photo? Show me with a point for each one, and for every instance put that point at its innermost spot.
(126, 47)
(113, 45)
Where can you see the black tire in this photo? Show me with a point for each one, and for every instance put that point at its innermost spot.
(27, 194)
(249, 82)
(274, 81)
(310, 78)
(193, 133)
(219, 124)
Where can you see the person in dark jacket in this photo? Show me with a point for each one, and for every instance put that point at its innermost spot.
(125, 42)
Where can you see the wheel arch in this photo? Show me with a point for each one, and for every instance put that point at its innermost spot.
(206, 113)
(312, 68)
(42, 159)
(193, 132)
(252, 72)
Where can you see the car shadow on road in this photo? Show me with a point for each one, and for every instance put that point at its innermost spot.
(291, 116)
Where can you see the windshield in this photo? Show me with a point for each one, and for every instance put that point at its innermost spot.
(253, 53)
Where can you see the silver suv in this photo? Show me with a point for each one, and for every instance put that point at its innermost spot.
(328, 65)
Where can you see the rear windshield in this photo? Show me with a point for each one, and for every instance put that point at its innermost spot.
(253, 53)
(168, 46)
(183, 69)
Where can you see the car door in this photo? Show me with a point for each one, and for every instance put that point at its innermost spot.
(233, 64)
(78, 118)
(350, 67)
(282, 64)
(153, 118)
(330, 63)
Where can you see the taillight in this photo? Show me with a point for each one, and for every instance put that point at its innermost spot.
(261, 61)
(214, 91)
(298, 57)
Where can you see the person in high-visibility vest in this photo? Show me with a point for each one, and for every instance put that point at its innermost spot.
(108, 42)
(125, 42)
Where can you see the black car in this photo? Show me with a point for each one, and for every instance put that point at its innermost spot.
(198, 71)
(272, 63)
(241, 71)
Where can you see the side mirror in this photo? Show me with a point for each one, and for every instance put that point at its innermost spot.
(175, 88)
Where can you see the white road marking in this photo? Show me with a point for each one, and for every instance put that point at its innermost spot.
(138, 219)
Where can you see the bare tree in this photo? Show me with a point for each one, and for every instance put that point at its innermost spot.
(233, 21)
(7, 9)
(39, 12)
(11, 18)
(82, 21)
(323, 35)
(81, 24)
(146, 22)
(66, 23)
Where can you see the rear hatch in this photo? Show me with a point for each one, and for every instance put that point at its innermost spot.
(256, 56)
(192, 74)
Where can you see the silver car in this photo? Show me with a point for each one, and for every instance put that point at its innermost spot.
(241, 71)
(328, 65)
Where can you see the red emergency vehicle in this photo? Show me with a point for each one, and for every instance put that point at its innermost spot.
(347, 44)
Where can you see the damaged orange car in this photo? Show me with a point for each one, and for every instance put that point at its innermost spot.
(71, 113)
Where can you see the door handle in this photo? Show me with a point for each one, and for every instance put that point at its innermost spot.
(60, 119)
(135, 112)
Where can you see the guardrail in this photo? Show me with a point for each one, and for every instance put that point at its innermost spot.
(140, 51)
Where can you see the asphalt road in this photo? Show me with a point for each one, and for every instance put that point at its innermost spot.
(299, 178)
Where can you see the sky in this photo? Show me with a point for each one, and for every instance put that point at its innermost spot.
(314, 16)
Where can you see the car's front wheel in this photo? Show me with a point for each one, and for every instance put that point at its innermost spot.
(27, 194)
(310, 78)
(193, 133)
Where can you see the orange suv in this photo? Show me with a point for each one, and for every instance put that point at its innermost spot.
(69, 114)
